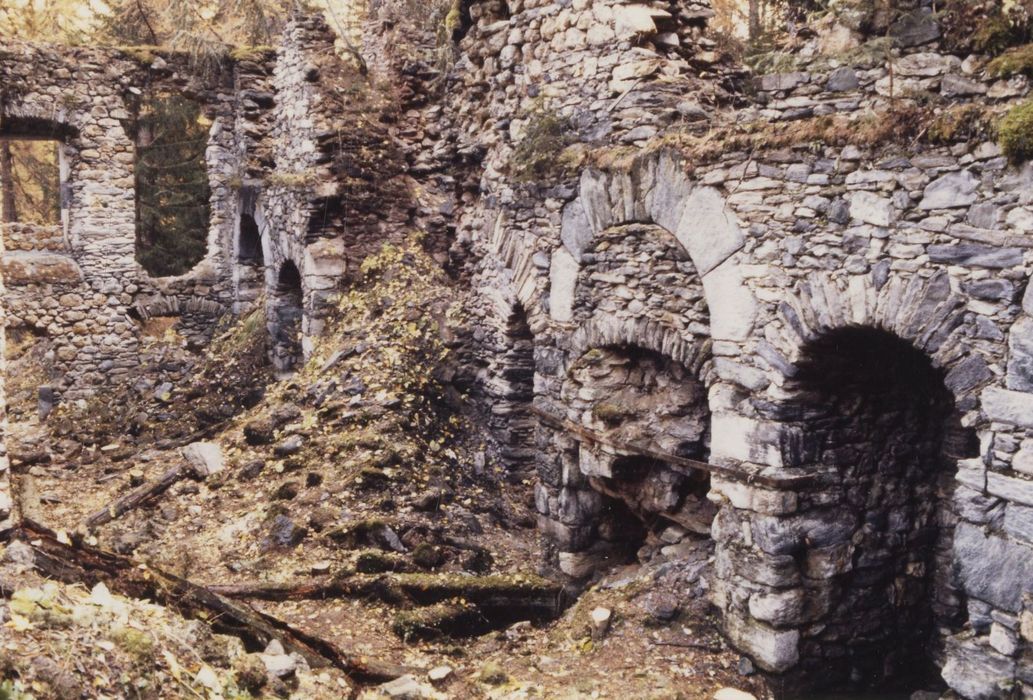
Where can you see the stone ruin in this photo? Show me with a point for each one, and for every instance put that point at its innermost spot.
(819, 355)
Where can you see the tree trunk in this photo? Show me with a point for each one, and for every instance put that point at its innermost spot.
(10, 211)
(754, 18)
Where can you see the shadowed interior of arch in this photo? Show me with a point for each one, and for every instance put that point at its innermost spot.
(880, 423)
(632, 397)
(287, 310)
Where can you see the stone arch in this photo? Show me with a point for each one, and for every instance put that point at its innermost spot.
(604, 330)
(881, 432)
(923, 310)
(656, 189)
(785, 585)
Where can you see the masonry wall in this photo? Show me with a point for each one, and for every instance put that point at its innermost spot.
(926, 243)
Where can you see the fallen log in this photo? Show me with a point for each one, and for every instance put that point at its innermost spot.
(138, 497)
(79, 563)
(498, 599)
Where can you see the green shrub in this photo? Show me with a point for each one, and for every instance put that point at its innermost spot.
(1015, 133)
(539, 155)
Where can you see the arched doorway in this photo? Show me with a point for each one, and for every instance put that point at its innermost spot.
(286, 312)
(249, 242)
(883, 437)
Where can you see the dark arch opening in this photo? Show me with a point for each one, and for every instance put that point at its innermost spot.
(882, 429)
(287, 311)
(249, 243)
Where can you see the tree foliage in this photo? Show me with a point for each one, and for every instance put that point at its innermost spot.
(172, 190)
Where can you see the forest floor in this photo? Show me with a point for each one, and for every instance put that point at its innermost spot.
(356, 501)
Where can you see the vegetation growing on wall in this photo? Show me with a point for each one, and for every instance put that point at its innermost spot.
(1015, 133)
(986, 26)
(540, 153)
(172, 190)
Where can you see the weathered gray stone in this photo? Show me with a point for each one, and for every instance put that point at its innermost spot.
(562, 284)
(1006, 406)
(976, 671)
(915, 28)
(950, 191)
(992, 568)
(959, 86)
(205, 458)
(975, 255)
(708, 229)
(872, 209)
(842, 79)
(771, 649)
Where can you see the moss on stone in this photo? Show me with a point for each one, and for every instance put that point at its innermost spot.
(144, 55)
(1015, 133)
(1017, 61)
(960, 123)
(609, 413)
(251, 53)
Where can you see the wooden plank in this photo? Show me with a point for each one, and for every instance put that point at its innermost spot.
(595, 437)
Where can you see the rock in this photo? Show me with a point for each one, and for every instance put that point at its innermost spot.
(250, 672)
(600, 620)
(950, 191)
(975, 254)
(285, 533)
(976, 671)
(45, 401)
(277, 663)
(1013, 407)
(782, 81)
(562, 283)
(250, 470)
(660, 606)
(925, 65)
(205, 458)
(958, 86)
(872, 209)
(260, 431)
(843, 79)
(992, 568)
(439, 673)
(733, 694)
(915, 28)
(408, 688)
(290, 446)
(745, 666)
(492, 674)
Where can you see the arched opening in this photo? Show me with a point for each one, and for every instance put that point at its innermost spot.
(644, 415)
(249, 242)
(512, 412)
(286, 313)
(881, 430)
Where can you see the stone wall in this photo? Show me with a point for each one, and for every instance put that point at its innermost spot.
(80, 284)
(739, 259)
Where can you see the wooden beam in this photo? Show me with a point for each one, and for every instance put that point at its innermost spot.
(630, 448)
